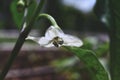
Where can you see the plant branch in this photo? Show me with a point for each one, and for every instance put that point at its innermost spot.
(20, 41)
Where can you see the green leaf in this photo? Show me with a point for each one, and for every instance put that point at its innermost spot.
(18, 16)
(91, 62)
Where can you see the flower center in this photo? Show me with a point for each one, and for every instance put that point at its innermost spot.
(57, 41)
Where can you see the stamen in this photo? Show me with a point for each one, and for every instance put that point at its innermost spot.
(57, 41)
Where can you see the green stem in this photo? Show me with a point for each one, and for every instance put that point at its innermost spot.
(24, 23)
(114, 22)
(20, 41)
(50, 18)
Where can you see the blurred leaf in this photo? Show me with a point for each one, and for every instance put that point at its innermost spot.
(92, 63)
(100, 8)
(102, 49)
(62, 64)
(90, 42)
(18, 16)
(67, 67)
(93, 43)
(31, 9)
(102, 12)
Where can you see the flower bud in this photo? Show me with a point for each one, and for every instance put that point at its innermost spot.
(20, 6)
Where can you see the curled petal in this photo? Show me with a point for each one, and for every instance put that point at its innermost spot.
(53, 32)
(70, 40)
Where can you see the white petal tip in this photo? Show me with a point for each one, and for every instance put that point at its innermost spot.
(30, 38)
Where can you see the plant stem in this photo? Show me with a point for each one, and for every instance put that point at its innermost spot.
(24, 23)
(50, 18)
(20, 41)
(114, 39)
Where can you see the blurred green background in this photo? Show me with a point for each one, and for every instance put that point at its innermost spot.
(70, 15)
(78, 17)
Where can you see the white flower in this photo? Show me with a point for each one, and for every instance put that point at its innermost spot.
(54, 36)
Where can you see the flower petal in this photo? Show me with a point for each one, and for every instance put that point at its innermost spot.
(53, 32)
(70, 40)
(41, 41)
(49, 45)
